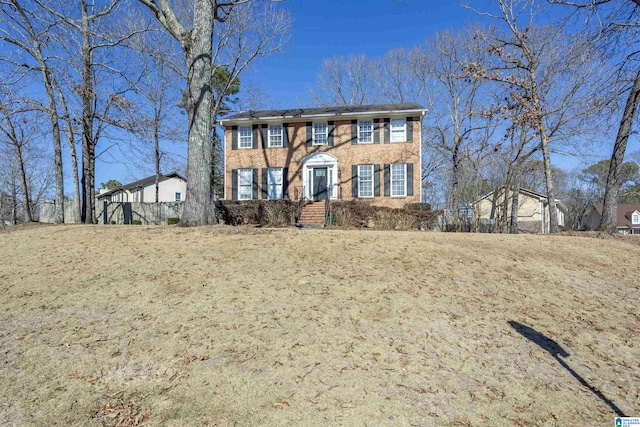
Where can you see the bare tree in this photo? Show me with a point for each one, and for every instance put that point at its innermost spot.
(244, 38)
(345, 81)
(550, 75)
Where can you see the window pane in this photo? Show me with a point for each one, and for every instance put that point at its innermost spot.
(398, 130)
(319, 134)
(275, 183)
(365, 181)
(275, 136)
(398, 185)
(245, 184)
(365, 131)
(245, 137)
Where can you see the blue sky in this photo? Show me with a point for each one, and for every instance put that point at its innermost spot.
(323, 29)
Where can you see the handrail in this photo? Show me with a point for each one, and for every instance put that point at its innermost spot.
(326, 209)
(300, 204)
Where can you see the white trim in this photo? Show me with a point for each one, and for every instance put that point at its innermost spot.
(373, 181)
(313, 133)
(224, 153)
(359, 140)
(391, 180)
(269, 145)
(240, 185)
(280, 196)
(320, 160)
(422, 112)
(240, 146)
(635, 217)
(404, 131)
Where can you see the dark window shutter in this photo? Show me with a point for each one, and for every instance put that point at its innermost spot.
(409, 129)
(354, 132)
(234, 137)
(285, 135)
(234, 184)
(264, 135)
(409, 179)
(354, 181)
(376, 180)
(254, 136)
(387, 130)
(330, 128)
(309, 134)
(387, 180)
(265, 183)
(255, 184)
(376, 131)
(285, 183)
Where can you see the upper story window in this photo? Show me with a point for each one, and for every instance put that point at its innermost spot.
(365, 131)
(178, 196)
(398, 130)
(275, 135)
(635, 218)
(319, 134)
(245, 184)
(365, 181)
(398, 179)
(246, 137)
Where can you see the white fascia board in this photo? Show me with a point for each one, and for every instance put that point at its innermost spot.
(324, 116)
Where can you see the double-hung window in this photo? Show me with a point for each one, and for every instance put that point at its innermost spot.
(635, 219)
(398, 130)
(275, 135)
(246, 137)
(245, 184)
(365, 132)
(178, 196)
(398, 179)
(319, 134)
(365, 180)
(274, 184)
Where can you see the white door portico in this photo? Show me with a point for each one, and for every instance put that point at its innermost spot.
(320, 176)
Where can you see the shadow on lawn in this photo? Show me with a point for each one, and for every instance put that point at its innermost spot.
(557, 352)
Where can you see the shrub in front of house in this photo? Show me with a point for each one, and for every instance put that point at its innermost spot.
(268, 213)
(173, 221)
(362, 215)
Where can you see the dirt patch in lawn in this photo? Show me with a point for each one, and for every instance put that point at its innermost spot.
(117, 325)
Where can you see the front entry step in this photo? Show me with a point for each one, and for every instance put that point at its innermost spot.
(312, 213)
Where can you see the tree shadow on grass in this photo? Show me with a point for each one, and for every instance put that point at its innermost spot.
(555, 350)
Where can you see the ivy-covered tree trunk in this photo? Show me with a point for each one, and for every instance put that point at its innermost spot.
(610, 208)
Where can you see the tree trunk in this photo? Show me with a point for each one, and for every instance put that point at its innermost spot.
(156, 142)
(515, 199)
(610, 208)
(58, 216)
(72, 148)
(88, 150)
(14, 200)
(455, 181)
(197, 207)
(548, 178)
(26, 200)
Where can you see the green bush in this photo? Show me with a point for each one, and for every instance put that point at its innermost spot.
(173, 221)
(136, 222)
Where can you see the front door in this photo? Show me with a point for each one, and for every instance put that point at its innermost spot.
(320, 183)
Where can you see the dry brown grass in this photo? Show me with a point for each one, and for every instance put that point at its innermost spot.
(221, 326)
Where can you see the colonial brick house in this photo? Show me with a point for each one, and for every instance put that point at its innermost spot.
(369, 153)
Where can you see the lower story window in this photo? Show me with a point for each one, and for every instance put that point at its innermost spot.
(245, 184)
(365, 181)
(275, 183)
(178, 197)
(398, 179)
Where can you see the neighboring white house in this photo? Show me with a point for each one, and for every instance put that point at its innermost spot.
(171, 188)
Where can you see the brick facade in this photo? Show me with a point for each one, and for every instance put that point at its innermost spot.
(344, 148)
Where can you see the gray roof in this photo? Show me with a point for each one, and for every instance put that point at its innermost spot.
(144, 182)
(325, 111)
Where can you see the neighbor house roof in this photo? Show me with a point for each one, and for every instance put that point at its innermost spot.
(299, 113)
(623, 214)
(144, 182)
(522, 191)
